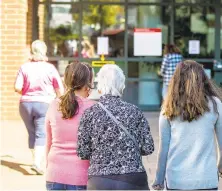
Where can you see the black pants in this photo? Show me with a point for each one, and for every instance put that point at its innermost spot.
(100, 183)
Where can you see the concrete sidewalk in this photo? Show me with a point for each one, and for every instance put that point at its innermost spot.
(16, 158)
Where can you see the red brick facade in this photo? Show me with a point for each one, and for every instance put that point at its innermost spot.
(16, 36)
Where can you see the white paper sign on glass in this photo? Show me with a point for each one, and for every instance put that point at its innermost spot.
(102, 45)
(147, 42)
(194, 47)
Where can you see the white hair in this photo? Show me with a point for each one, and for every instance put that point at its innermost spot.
(39, 50)
(111, 80)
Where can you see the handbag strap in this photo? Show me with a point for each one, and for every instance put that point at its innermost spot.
(120, 125)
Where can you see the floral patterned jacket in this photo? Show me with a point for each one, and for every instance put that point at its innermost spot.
(106, 145)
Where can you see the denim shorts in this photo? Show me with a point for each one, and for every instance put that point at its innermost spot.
(59, 186)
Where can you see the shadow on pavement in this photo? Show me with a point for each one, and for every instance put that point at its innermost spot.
(15, 166)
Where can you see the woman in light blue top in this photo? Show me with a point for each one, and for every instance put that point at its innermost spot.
(191, 117)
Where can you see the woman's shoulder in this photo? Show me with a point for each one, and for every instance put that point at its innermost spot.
(27, 67)
(133, 109)
(53, 107)
(217, 101)
(214, 103)
(42, 64)
(26, 64)
(85, 102)
(172, 55)
(48, 65)
(89, 102)
(54, 103)
(87, 108)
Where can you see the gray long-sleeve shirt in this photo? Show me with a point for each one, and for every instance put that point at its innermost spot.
(187, 151)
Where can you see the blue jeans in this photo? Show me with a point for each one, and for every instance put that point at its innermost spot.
(58, 186)
(33, 115)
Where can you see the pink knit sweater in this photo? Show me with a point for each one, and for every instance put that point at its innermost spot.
(62, 163)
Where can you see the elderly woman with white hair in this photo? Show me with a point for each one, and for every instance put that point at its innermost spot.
(113, 135)
(38, 82)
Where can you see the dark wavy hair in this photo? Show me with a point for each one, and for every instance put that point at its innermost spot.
(77, 75)
(170, 49)
(189, 92)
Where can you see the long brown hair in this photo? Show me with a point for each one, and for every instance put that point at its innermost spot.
(170, 49)
(189, 92)
(77, 75)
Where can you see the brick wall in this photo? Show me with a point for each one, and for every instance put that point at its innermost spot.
(29, 23)
(41, 15)
(15, 38)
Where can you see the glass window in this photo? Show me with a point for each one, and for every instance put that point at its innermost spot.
(150, 1)
(195, 23)
(64, 1)
(221, 34)
(61, 30)
(105, 0)
(194, 1)
(110, 22)
(148, 17)
(148, 84)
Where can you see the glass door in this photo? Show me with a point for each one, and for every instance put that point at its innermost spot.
(144, 84)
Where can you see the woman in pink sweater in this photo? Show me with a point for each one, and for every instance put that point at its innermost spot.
(39, 83)
(64, 170)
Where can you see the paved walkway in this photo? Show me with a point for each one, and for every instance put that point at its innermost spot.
(16, 158)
